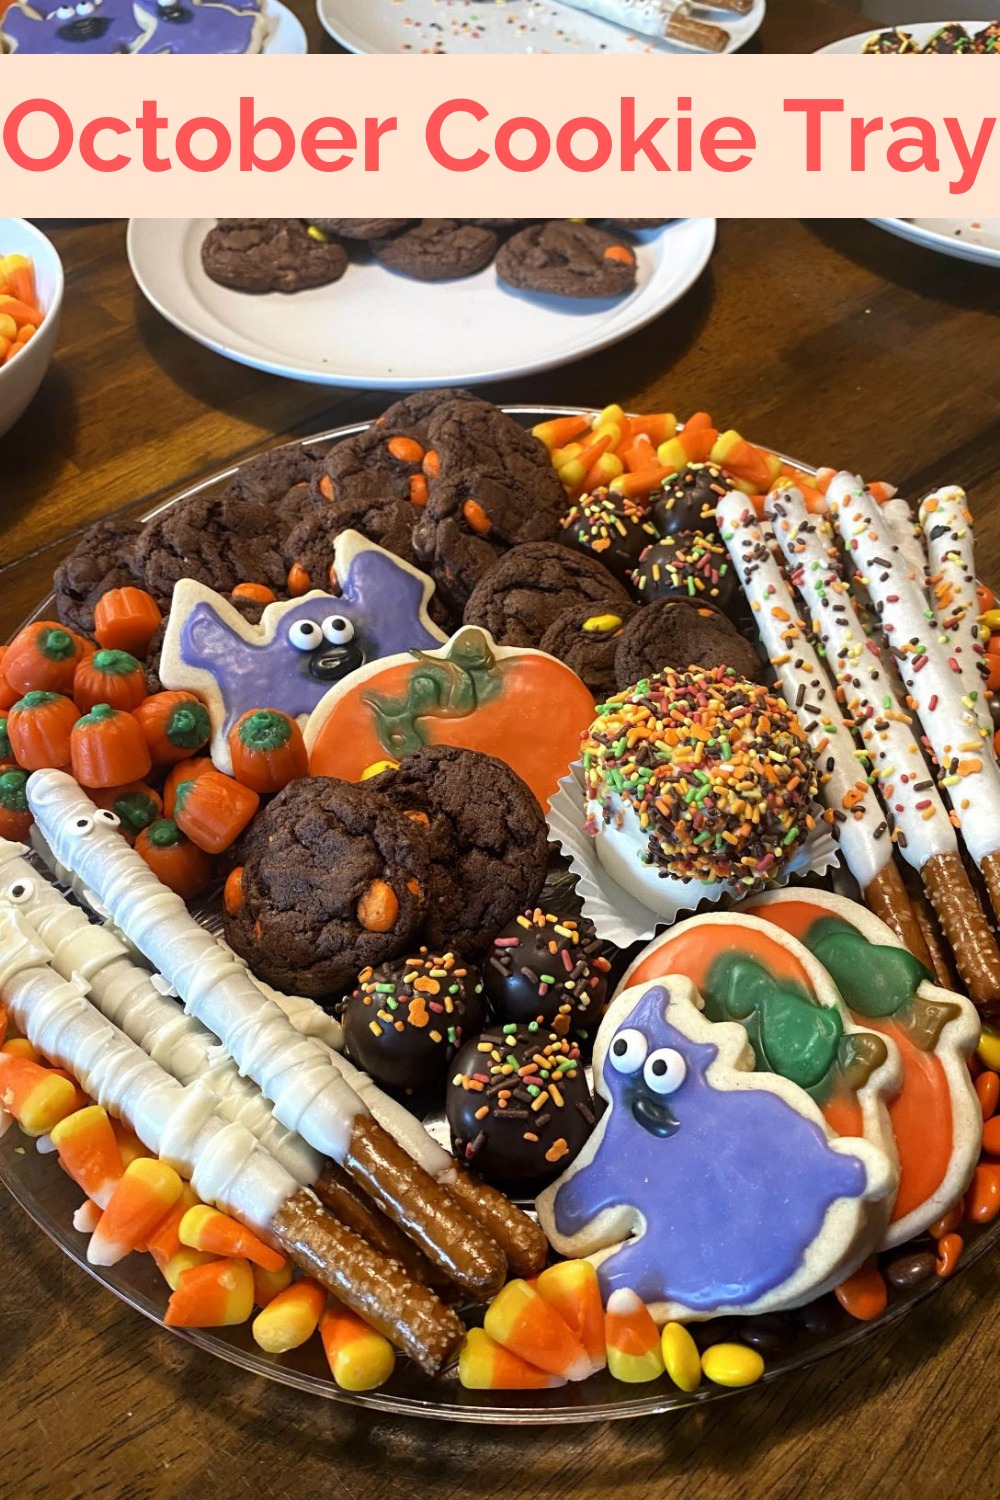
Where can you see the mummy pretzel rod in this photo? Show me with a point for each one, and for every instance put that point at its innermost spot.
(946, 523)
(922, 827)
(225, 1163)
(862, 830)
(936, 692)
(296, 1073)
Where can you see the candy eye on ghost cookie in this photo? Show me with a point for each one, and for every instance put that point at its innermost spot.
(628, 1051)
(305, 635)
(664, 1071)
(337, 630)
(331, 644)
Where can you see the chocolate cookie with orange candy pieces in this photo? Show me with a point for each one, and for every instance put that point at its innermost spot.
(681, 633)
(103, 559)
(360, 229)
(586, 637)
(220, 540)
(270, 255)
(637, 224)
(334, 878)
(532, 585)
(279, 478)
(406, 1019)
(437, 250)
(566, 259)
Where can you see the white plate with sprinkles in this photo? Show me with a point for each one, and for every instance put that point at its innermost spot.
(977, 240)
(518, 26)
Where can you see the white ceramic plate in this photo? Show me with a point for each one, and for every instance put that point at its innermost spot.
(287, 35)
(20, 379)
(521, 26)
(977, 240)
(921, 32)
(378, 330)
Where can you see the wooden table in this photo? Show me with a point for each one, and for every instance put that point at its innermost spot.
(831, 341)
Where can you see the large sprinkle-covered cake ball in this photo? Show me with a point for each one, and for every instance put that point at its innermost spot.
(699, 775)
(518, 1105)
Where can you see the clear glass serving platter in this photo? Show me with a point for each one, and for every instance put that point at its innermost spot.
(788, 1341)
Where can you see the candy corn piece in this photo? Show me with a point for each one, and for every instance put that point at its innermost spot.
(267, 1284)
(89, 1152)
(205, 1228)
(658, 426)
(165, 1241)
(145, 1193)
(184, 1260)
(87, 1217)
(525, 1323)
(291, 1318)
(632, 1339)
(560, 431)
(37, 1097)
(129, 1143)
(741, 458)
(485, 1365)
(573, 1290)
(359, 1358)
(19, 1046)
(3, 1024)
(218, 1294)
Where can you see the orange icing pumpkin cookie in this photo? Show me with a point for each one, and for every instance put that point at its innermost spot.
(522, 706)
(936, 1118)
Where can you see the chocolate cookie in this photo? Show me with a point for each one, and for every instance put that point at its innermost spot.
(689, 565)
(678, 634)
(220, 540)
(438, 250)
(611, 528)
(360, 229)
(270, 255)
(407, 1018)
(686, 501)
(637, 223)
(586, 637)
(279, 478)
(531, 586)
(102, 559)
(334, 878)
(567, 260)
(486, 837)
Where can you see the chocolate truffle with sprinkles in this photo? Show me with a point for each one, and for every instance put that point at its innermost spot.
(717, 770)
(407, 1018)
(611, 528)
(548, 969)
(691, 566)
(686, 501)
(518, 1105)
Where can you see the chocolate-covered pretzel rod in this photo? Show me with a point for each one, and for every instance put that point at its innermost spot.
(923, 829)
(225, 1163)
(296, 1073)
(859, 821)
(946, 522)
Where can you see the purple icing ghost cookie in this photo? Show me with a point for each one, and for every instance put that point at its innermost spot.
(301, 646)
(193, 27)
(95, 27)
(708, 1188)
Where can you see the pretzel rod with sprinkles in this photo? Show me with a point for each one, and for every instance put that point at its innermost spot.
(861, 826)
(946, 523)
(225, 1163)
(936, 693)
(922, 828)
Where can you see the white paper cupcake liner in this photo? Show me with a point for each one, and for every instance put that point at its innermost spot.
(618, 916)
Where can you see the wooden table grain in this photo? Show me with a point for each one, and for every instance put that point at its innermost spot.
(829, 340)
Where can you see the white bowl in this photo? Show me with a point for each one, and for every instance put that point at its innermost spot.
(20, 379)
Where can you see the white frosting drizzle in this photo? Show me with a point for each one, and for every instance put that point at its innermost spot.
(969, 774)
(296, 1073)
(947, 527)
(127, 996)
(807, 689)
(904, 780)
(225, 1163)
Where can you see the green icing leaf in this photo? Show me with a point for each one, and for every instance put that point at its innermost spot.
(874, 979)
(790, 1034)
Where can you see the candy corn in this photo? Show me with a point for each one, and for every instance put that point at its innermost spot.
(37, 1097)
(268, 1284)
(291, 1318)
(184, 1260)
(572, 1288)
(19, 1046)
(485, 1365)
(560, 431)
(145, 1193)
(632, 1339)
(218, 1294)
(205, 1228)
(129, 1143)
(165, 1241)
(359, 1358)
(3, 1024)
(89, 1152)
(522, 1321)
(87, 1217)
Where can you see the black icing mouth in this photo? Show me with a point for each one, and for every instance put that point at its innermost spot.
(84, 29)
(652, 1113)
(330, 663)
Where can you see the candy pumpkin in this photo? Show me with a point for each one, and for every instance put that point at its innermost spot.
(15, 815)
(135, 804)
(7, 757)
(184, 770)
(112, 677)
(267, 750)
(175, 725)
(43, 657)
(107, 748)
(522, 706)
(213, 810)
(39, 726)
(8, 695)
(126, 620)
(180, 864)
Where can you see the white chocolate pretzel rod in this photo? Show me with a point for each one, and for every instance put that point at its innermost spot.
(946, 523)
(519, 1238)
(296, 1073)
(923, 829)
(936, 693)
(666, 18)
(862, 830)
(225, 1163)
